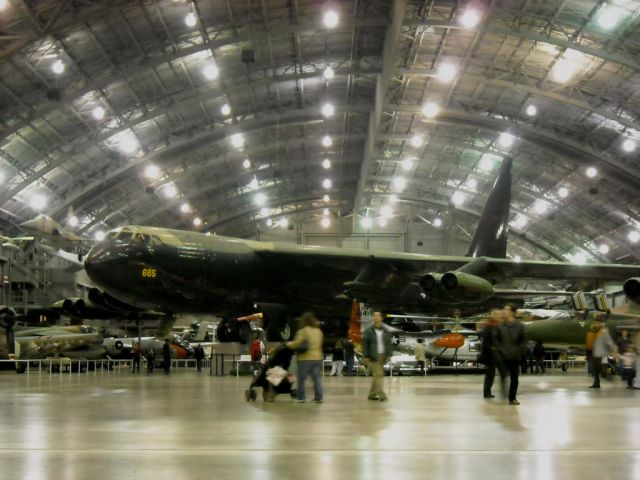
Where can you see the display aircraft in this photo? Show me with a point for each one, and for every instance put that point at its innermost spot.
(184, 271)
(46, 228)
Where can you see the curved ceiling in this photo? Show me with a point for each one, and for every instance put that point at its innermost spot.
(93, 93)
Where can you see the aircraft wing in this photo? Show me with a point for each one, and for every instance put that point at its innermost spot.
(563, 270)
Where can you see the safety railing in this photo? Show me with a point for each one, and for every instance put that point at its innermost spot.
(102, 366)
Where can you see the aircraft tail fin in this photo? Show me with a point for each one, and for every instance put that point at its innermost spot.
(490, 238)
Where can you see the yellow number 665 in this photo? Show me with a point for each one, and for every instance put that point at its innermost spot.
(149, 273)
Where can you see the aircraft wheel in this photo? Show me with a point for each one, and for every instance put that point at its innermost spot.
(21, 367)
(244, 332)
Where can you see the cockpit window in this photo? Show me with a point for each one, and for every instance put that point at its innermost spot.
(124, 237)
(155, 241)
(112, 235)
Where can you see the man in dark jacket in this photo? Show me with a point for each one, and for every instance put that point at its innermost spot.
(510, 342)
(349, 355)
(166, 356)
(376, 349)
(199, 354)
(488, 353)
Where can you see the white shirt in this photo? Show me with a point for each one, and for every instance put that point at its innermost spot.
(380, 340)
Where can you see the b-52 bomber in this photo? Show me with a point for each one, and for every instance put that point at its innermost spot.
(184, 271)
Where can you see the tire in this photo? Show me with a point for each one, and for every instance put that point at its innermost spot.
(244, 332)
(222, 333)
(280, 330)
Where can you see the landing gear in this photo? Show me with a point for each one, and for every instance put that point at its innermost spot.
(233, 331)
(280, 330)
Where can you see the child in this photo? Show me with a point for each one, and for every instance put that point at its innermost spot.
(629, 366)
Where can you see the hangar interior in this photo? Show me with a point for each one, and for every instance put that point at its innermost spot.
(376, 126)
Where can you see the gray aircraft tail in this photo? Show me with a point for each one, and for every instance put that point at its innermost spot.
(490, 238)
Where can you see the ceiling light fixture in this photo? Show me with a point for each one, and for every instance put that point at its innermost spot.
(437, 222)
(38, 201)
(458, 198)
(190, 19)
(237, 140)
(328, 73)
(470, 18)
(506, 139)
(246, 163)
(472, 183)
(327, 141)
(628, 145)
(580, 258)
(517, 259)
(325, 212)
(330, 18)
(211, 71)
(326, 183)
(521, 221)
(328, 110)
(563, 192)
(197, 221)
(430, 109)
(609, 16)
(73, 221)
(592, 172)
(634, 236)
(152, 172)
(447, 72)
(603, 249)
(326, 198)
(325, 222)
(170, 191)
(99, 235)
(407, 164)
(541, 207)
(269, 222)
(400, 183)
(326, 164)
(264, 212)
(284, 223)
(225, 109)
(416, 141)
(366, 223)
(260, 199)
(532, 110)
(185, 208)
(57, 67)
(98, 113)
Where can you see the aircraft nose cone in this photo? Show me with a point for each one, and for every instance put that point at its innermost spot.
(99, 263)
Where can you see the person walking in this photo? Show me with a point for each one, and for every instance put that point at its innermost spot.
(308, 347)
(603, 346)
(151, 361)
(199, 355)
(337, 363)
(421, 355)
(488, 352)
(166, 356)
(136, 354)
(510, 344)
(376, 349)
(538, 357)
(349, 355)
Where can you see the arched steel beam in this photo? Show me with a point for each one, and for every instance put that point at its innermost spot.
(620, 58)
(156, 112)
(207, 137)
(530, 88)
(565, 147)
(132, 69)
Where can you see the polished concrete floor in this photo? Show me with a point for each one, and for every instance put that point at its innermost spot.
(190, 426)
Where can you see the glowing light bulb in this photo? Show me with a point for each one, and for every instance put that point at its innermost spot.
(152, 171)
(260, 199)
(470, 18)
(326, 164)
(99, 235)
(437, 222)
(328, 73)
(185, 208)
(98, 113)
(416, 141)
(458, 198)
(330, 18)
(73, 221)
(447, 72)
(211, 71)
(532, 110)
(430, 109)
(246, 163)
(563, 192)
(197, 221)
(190, 19)
(399, 183)
(366, 222)
(225, 109)
(327, 141)
(407, 164)
(57, 67)
(325, 222)
(328, 110)
(237, 140)
(592, 172)
(603, 249)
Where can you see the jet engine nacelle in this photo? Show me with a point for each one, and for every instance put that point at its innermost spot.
(464, 286)
(429, 282)
(632, 289)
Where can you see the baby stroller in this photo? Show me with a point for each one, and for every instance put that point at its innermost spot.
(274, 377)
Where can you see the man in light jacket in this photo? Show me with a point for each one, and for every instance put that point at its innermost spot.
(603, 346)
(376, 349)
(308, 346)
